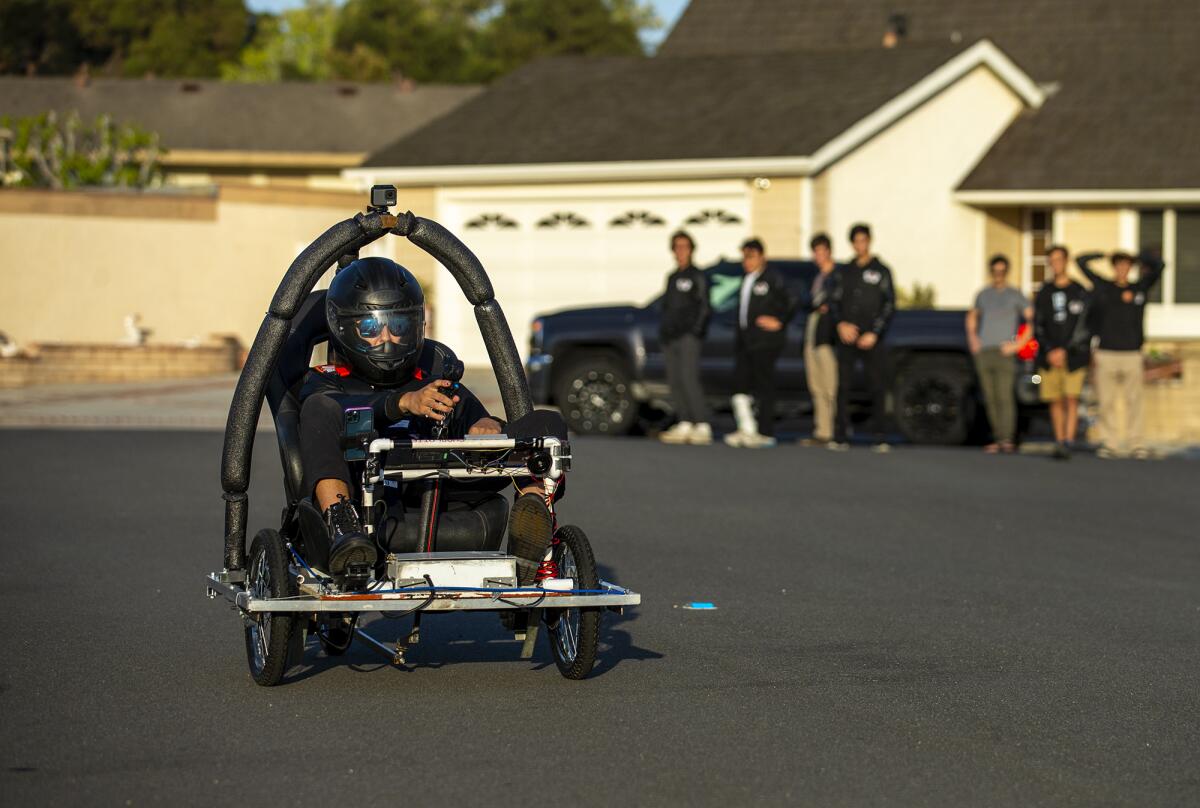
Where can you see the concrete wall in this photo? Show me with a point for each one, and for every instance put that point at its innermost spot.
(73, 264)
(902, 183)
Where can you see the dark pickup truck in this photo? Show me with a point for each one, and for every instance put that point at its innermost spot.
(603, 367)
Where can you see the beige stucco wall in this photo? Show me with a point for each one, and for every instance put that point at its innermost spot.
(1002, 236)
(1088, 229)
(190, 267)
(775, 216)
(902, 183)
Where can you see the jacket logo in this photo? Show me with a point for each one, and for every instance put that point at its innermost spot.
(1139, 298)
(872, 276)
(761, 288)
(684, 284)
(1075, 306)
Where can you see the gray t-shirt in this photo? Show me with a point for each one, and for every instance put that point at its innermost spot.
(1000, 313)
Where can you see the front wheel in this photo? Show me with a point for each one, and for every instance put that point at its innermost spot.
(574, 633)
(271, 639)
(594, 392)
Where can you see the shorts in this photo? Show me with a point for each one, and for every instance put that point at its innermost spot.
(1058, 383)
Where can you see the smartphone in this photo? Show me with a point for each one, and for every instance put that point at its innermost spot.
(358, 429)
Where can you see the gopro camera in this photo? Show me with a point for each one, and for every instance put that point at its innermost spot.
(383, 196)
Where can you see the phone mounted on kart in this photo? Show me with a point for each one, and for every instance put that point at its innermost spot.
(358, 430)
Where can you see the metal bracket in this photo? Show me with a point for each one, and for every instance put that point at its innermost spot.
(531, 633)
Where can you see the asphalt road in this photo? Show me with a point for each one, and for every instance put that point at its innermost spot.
(931, 627)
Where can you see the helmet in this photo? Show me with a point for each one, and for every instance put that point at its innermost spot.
(376, 314)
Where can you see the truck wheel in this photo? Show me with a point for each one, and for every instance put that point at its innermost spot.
(594, 394)
(933, 403)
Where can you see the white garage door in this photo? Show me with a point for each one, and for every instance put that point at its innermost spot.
(554, 247)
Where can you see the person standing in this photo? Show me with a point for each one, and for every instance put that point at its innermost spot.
(862, 305)
(684, 321)
(820, 361)
(992, 325)
(1060, 328)
(1120, 307)
(764, 307)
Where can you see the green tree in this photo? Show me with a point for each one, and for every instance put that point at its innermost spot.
(295, 45)
(424, 40)
(48, 152)
(37, 36)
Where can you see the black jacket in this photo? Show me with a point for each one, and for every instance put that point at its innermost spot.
(1060, 321)
(1120, 310)
(351, 391)
(864, 296)
(685, 306)
(769, 295)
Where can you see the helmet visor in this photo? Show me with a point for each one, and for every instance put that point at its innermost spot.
(382, 332)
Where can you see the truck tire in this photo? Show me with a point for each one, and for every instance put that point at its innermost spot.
(594, 393)
(934, 403)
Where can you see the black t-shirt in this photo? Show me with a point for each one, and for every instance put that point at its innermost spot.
(1060, 321)
(1120, 310)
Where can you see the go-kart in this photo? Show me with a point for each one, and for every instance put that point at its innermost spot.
(442, 561)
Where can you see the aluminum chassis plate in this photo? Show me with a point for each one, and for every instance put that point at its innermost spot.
(614, 596)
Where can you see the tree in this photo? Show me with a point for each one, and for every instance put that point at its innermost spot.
(295, 45)
(37, 36)
(42, 151)
(423, 40)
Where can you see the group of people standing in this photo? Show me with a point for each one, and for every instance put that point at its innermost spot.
(851, 306)
(1066, 318)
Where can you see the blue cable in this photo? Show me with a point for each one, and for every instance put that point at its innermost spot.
(307, 568)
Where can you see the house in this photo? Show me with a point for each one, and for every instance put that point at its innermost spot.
(956, 129)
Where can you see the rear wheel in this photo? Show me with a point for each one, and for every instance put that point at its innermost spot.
(933, 402)
(271, 639)
(574, 633)
(594, 393)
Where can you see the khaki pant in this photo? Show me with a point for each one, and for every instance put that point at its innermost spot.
(1119, 388)
(820, 367)
(997, 374)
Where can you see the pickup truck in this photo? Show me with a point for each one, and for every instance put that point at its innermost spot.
(603, 367)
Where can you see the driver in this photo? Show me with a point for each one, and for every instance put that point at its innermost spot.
(376, 314)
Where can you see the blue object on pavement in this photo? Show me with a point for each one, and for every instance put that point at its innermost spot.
(699, 605)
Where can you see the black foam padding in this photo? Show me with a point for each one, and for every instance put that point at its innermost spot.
(343, 238)
(506, 362)
(236, 506)
(454, 256)
(247, 402)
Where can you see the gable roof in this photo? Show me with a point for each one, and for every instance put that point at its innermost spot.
(1047, 37)
(208, 115)
(769, 105)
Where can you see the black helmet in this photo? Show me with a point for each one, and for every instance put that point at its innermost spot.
(366, 298)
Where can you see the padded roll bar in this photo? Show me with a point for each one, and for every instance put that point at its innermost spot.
(347, 238)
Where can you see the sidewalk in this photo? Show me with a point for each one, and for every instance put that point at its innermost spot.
(167, 404)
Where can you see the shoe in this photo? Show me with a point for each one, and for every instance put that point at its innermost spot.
(530, 531)
(838, 446)
(679, 433)
(883, 447)
(992, 448)
(1105, 453)
(814, 441)
(760, 441)
(1142, 453)
(701, 435)
(736, 439)
(348, 544)
(1007, 447)
(1062, 451)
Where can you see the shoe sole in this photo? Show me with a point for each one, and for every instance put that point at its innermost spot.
(346, 555)
(530, 531)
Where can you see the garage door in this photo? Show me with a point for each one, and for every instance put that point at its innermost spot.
(560, 247)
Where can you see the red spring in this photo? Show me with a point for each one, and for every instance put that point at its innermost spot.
(548, 568)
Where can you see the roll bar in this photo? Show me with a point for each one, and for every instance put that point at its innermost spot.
(344, 238)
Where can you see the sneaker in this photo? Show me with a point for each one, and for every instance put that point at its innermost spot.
(1062, 451)
(530, 531)
(1142, 453)
(813, 441)
(736, 439)
(838, 446)
(348, 544)
(760, 441)
(679, 433)
(883, 447)
(1105, 453)
(701, 435)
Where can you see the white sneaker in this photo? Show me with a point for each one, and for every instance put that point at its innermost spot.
(736, 439)
(680, 433)
(701, 435)
(759, 441)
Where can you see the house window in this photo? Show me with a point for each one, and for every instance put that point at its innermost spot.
(1039, 229)
(496, 221)
(563, 219)
(642, 217)
(1150, 236)
(1187, 256)
(718, 216)
(1176, 233)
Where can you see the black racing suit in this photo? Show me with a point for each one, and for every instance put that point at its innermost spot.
(865, 297)
(328, 390)
(758, 350)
